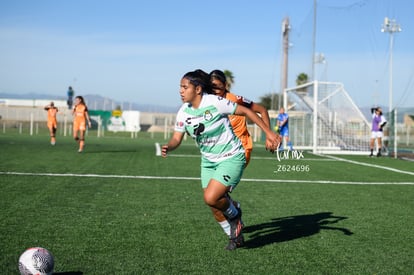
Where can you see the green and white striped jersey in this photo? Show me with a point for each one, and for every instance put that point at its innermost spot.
(210, 127)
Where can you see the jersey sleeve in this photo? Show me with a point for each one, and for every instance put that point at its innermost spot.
(240, 100)
(225, 106)
(244, 101)
(180, 120)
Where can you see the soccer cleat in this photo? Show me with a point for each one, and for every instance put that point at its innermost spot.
(80, 151)
(240, 241)
(235, 227)
(238, 207)
(371, 155)
(235, 243)
(379, 154)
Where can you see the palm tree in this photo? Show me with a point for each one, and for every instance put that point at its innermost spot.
(229, 79)
(302, 78)
(266, 101)
(272, 101)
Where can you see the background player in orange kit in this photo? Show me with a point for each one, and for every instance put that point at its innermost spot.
(52, 121)
(80, 116)
(238, 123)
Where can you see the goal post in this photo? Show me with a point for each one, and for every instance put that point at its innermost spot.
(324, 118)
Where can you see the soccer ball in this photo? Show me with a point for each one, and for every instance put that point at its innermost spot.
(36, 261)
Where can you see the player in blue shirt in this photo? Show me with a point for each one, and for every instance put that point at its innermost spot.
(283, 127)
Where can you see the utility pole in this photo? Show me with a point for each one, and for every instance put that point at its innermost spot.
(285, 35)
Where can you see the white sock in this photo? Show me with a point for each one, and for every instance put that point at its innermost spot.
(231, 212)
(226, 227)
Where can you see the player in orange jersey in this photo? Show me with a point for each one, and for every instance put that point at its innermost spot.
(80, 116)
(52, 121)
(219, 83)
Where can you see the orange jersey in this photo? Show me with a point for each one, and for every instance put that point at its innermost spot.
(51, 117)
(79, 120)
(239, 122)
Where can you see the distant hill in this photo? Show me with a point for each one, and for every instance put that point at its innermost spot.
(31, 96)
(97, 102)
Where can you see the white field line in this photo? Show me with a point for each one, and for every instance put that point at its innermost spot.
(268, 158)
(158, 153)
(370, 165)
(197, 178)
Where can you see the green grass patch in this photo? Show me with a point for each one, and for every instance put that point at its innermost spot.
(117, 208)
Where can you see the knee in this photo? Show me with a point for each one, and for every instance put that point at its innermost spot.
(209, 199)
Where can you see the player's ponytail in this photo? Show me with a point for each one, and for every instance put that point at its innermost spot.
(199, 78)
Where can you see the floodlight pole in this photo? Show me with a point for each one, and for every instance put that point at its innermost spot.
(319, 58)
(391, 26)
(314, 40)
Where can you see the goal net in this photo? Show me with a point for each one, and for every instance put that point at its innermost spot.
(324, 119)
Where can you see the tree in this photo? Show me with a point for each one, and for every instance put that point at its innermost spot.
(302, 78)
(229, 79)
(270, 101)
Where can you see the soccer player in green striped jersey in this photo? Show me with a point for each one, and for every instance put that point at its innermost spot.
(205, 118)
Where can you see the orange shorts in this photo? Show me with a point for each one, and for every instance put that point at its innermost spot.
(51, 124)
(79, 125)
(247, 143)
(247, 153)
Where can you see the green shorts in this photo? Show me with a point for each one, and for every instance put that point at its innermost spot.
(227, 172)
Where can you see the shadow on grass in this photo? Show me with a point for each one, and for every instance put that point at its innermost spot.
(290, 228)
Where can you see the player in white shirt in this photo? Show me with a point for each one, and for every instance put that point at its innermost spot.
(378, 123)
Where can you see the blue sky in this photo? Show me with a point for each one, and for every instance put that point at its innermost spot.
(138, 50)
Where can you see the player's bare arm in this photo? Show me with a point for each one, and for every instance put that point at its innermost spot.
(272, 140)
(88, 119)
(172, 144)
(263, 113)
